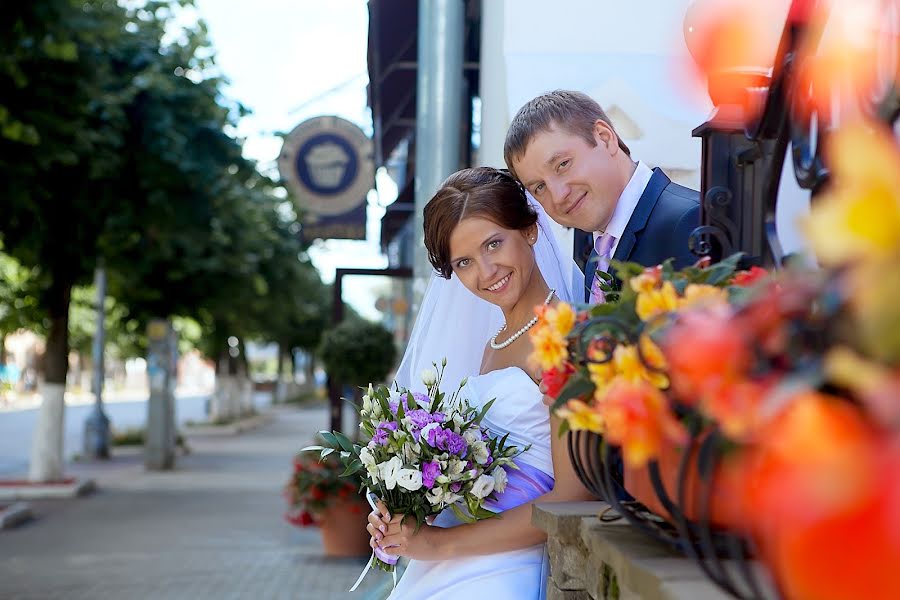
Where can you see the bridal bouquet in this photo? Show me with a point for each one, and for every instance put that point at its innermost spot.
(425, 453)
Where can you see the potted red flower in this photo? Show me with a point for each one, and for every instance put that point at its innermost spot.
(318, 495)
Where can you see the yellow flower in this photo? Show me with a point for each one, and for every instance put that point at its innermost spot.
(581, 416)
(653, 356)
(550, 348)
(629, 367)
(561, 317)
(859, 216)
(648, 280)
(602, 375)
(652, 303)
(701, 294)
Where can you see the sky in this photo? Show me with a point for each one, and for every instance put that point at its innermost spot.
(288, 61)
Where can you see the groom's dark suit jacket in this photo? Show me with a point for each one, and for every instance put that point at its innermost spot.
(659, 228)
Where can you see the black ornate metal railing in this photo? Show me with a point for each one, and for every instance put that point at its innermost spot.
(743, 155)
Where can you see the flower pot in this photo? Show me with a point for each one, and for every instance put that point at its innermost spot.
(723, 505)
(343, 527)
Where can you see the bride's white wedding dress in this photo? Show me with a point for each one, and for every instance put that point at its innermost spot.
(518, 574)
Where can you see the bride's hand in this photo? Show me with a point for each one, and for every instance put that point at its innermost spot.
(402, 539)
(378, 523)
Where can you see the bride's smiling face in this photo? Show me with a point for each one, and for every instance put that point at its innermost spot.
(494, 263)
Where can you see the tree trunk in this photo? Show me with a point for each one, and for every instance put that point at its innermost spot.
(47, 443)
(2, 348)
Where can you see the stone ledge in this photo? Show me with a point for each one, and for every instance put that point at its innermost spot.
(11, 491)
(15, 514)
(598, 560)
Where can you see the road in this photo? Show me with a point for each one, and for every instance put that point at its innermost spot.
(16, 427)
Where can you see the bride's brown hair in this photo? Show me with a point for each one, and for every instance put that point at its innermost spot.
(485, 192)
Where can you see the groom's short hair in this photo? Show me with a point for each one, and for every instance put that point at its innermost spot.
(575, 112)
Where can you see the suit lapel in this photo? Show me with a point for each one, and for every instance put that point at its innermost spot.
(641, 214)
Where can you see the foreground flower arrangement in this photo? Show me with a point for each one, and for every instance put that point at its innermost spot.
(795, 373)
(425, 453)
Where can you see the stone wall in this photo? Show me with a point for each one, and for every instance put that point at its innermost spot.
(595, 560)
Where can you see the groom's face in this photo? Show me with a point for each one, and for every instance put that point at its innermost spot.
(577, 184)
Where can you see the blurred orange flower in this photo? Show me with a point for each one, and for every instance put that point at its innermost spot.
(704, 351)
(637, 417)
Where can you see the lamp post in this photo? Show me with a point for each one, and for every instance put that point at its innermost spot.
(96, 425)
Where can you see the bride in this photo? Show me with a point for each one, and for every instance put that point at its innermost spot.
(481, 231)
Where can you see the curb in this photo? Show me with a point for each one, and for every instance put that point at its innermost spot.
(201, 429)
(41, 491)
(15, 514)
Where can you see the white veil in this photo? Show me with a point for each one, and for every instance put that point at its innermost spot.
(455, 324)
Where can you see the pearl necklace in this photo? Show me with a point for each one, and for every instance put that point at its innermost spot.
(519, 333)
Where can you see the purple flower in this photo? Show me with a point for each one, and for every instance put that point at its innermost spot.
(382, 431)
(444, 439)
(430, 471)
(421, 399)
(455, 487)
(439, 417)
(419, 418)
(456, 444)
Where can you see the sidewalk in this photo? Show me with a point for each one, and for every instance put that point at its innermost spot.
(212, 528)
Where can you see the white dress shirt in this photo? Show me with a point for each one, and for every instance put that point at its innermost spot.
(626, 204)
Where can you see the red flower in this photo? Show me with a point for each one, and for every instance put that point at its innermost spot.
(316, 493)
(555, 379)
(748, 278)
(704, 351)
(300, 518)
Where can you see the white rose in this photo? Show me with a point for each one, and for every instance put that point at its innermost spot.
(451, 498)
(434, 496)
(409, 479)
(472, 435)
(368, 460)
(483, 486)
(429, 377)
(411, 452)
(500, 479)
(389, 471)
(455, 468)
(480, 452)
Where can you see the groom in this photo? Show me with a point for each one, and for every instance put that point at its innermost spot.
(565, 151)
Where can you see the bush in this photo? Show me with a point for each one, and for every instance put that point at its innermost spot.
(358, 352)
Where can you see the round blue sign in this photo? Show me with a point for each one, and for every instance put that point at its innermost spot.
(327, 164)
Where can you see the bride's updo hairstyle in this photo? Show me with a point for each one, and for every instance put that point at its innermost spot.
(477, 192)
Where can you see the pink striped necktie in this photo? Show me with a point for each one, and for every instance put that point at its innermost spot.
(603, 246)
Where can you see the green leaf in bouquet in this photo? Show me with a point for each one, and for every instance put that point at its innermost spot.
(722, 271)
(343, 441)
(481, 513)
(385, 405)
(460, 514)
(578, 386)
(484, 409)
(329, 439)
(563, 428)
(353, 467)
(411, 401)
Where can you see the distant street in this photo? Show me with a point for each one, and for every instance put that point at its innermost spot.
(16, 427)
